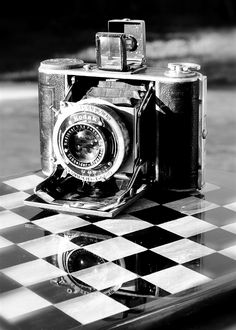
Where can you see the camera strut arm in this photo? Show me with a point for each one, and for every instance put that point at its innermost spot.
(130, 191)
(139, 113)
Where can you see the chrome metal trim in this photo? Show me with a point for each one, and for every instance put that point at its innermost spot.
(202, 131)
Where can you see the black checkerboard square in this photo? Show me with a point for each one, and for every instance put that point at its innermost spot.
(146, 262)
(158, 214)
(13, 255)
(213, 266)
(7, 284)
(6, 189)
(152, 237)
(218, 217)
(23, 232)
(165, 196)
(217, 239)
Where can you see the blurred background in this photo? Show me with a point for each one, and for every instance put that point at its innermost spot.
(200, 31)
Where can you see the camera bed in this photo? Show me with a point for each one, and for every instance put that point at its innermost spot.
(70, 195)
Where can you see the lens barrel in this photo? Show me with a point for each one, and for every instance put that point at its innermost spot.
(108, 148)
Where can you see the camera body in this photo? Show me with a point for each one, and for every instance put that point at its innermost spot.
(107, 135)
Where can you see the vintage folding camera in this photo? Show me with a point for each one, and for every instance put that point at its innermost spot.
(110, 131)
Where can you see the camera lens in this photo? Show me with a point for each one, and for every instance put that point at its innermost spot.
(91, 140)
(84, 145)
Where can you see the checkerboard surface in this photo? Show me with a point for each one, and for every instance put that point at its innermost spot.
(64, 271)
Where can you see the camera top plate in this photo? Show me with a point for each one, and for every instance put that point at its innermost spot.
(144, 73)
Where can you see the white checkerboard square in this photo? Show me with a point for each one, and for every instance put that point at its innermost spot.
(4, 242)
(176, 279)
(105, 276)
(91, 307)
(18, 302)
(183, 250)
(229, 252)
(49, 245)
(9, 219)
(11, 201)
(187, 226)
(231, 206)
(191, 205)
(25, 182)
(123, 225)
(61, 222)
(33, 272)
(115, 248)
(230, 227)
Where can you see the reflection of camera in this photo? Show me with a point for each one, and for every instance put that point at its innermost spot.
(107, 135)
(80, 259)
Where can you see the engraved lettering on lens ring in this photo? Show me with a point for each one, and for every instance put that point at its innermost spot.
(77, 115)
(84, 145)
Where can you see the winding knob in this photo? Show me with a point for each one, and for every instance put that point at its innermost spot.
(182, 69)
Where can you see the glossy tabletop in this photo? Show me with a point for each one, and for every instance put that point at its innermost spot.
(63, 271)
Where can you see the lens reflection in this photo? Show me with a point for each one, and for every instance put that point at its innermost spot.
(84, 146)
(82, 259)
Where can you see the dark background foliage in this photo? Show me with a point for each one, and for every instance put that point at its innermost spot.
(32, 31)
